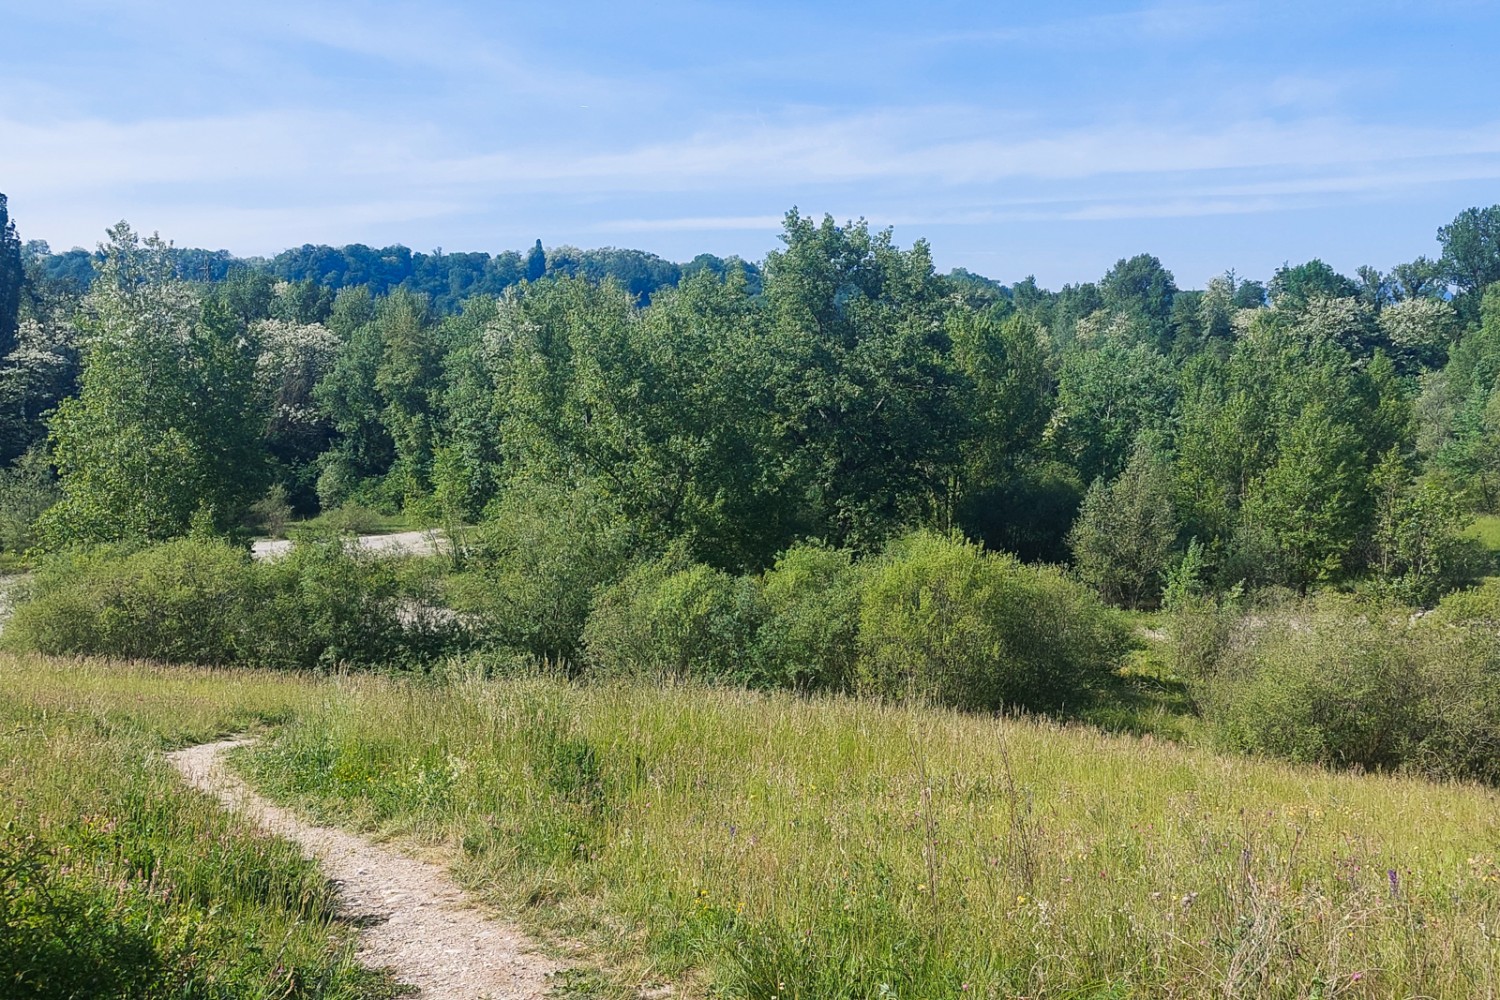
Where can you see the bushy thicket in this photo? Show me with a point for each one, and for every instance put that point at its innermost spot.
(1348, 683)
(931, 618)
(536, 566)
(205, 601)
(944, 620)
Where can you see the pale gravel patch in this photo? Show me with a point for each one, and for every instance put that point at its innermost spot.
(400, 543)
(413, 918)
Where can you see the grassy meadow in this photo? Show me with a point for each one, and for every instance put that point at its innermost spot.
(115, 881)
(757, 846)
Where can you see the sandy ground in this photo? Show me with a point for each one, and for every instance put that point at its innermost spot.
(403, 543)
(413, 919)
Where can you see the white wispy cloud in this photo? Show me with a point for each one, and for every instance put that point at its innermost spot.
(330, 168)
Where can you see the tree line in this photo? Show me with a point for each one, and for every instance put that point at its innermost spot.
(1315, 429)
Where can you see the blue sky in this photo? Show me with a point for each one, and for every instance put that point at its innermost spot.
(1017, 138)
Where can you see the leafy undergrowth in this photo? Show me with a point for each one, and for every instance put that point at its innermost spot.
(117, 882)
(764, 846)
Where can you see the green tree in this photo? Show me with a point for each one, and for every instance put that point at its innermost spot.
(1308, 503)
(1416, 548)
(165, 433)
(536, 263)
(1126, 530)
(12, 276)
(1107, 395)
(1294, 287)
(1471, 251)
(1141, 290)
(863, 391)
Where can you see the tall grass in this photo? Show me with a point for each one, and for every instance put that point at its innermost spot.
(765, 846)
(115, 881)
(757, 846)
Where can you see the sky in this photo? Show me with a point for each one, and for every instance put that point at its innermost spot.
(1016, 138)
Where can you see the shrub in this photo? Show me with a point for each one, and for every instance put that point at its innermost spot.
(328, 602)
(809, 638)
(941, 619)
(1321, 681)
(693, 621)
(204, 601)
(1346, 683)
(271, 513)
(184, 601)
(1199, 621)
(541, 558)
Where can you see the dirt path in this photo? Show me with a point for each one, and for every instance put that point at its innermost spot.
(413, 918)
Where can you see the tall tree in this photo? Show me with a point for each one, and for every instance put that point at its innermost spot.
(12, 276)
(864, 394)
(1471, 251)
(1126, 529)
(165, 433)
(1141, 290)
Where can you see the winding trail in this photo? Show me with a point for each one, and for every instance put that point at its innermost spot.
(413, 918)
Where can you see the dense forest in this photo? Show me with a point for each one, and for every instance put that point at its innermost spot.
(833, 469)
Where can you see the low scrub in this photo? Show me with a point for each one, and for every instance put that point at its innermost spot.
(537, 564)
(693, 621)
(933, 618)
(943, 620)
(205, 601)
(1346, 683)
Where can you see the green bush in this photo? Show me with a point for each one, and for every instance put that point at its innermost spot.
(540, 559)
(663, 619)
(809, 639)
(328, 602)
(185, 601)
(205, 601)
(1347, 683)
(943, 620)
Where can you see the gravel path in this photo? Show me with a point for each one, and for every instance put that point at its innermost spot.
(413, 918)
(402, 543)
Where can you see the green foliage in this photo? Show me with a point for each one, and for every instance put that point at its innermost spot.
(1348, 684)
(271, 513)
(1471, 249)
(166, 422)
(664, 621)
(808, 638)
(1126, 530)
(12, 275)
(1295, 287)
(203, 601)
(1199, 621)
(1109, 392)
(1418, 552)
(183, 601)
(941, 619)
(540, 560)
(1142, 291)
(27, 489)
(866, 405)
